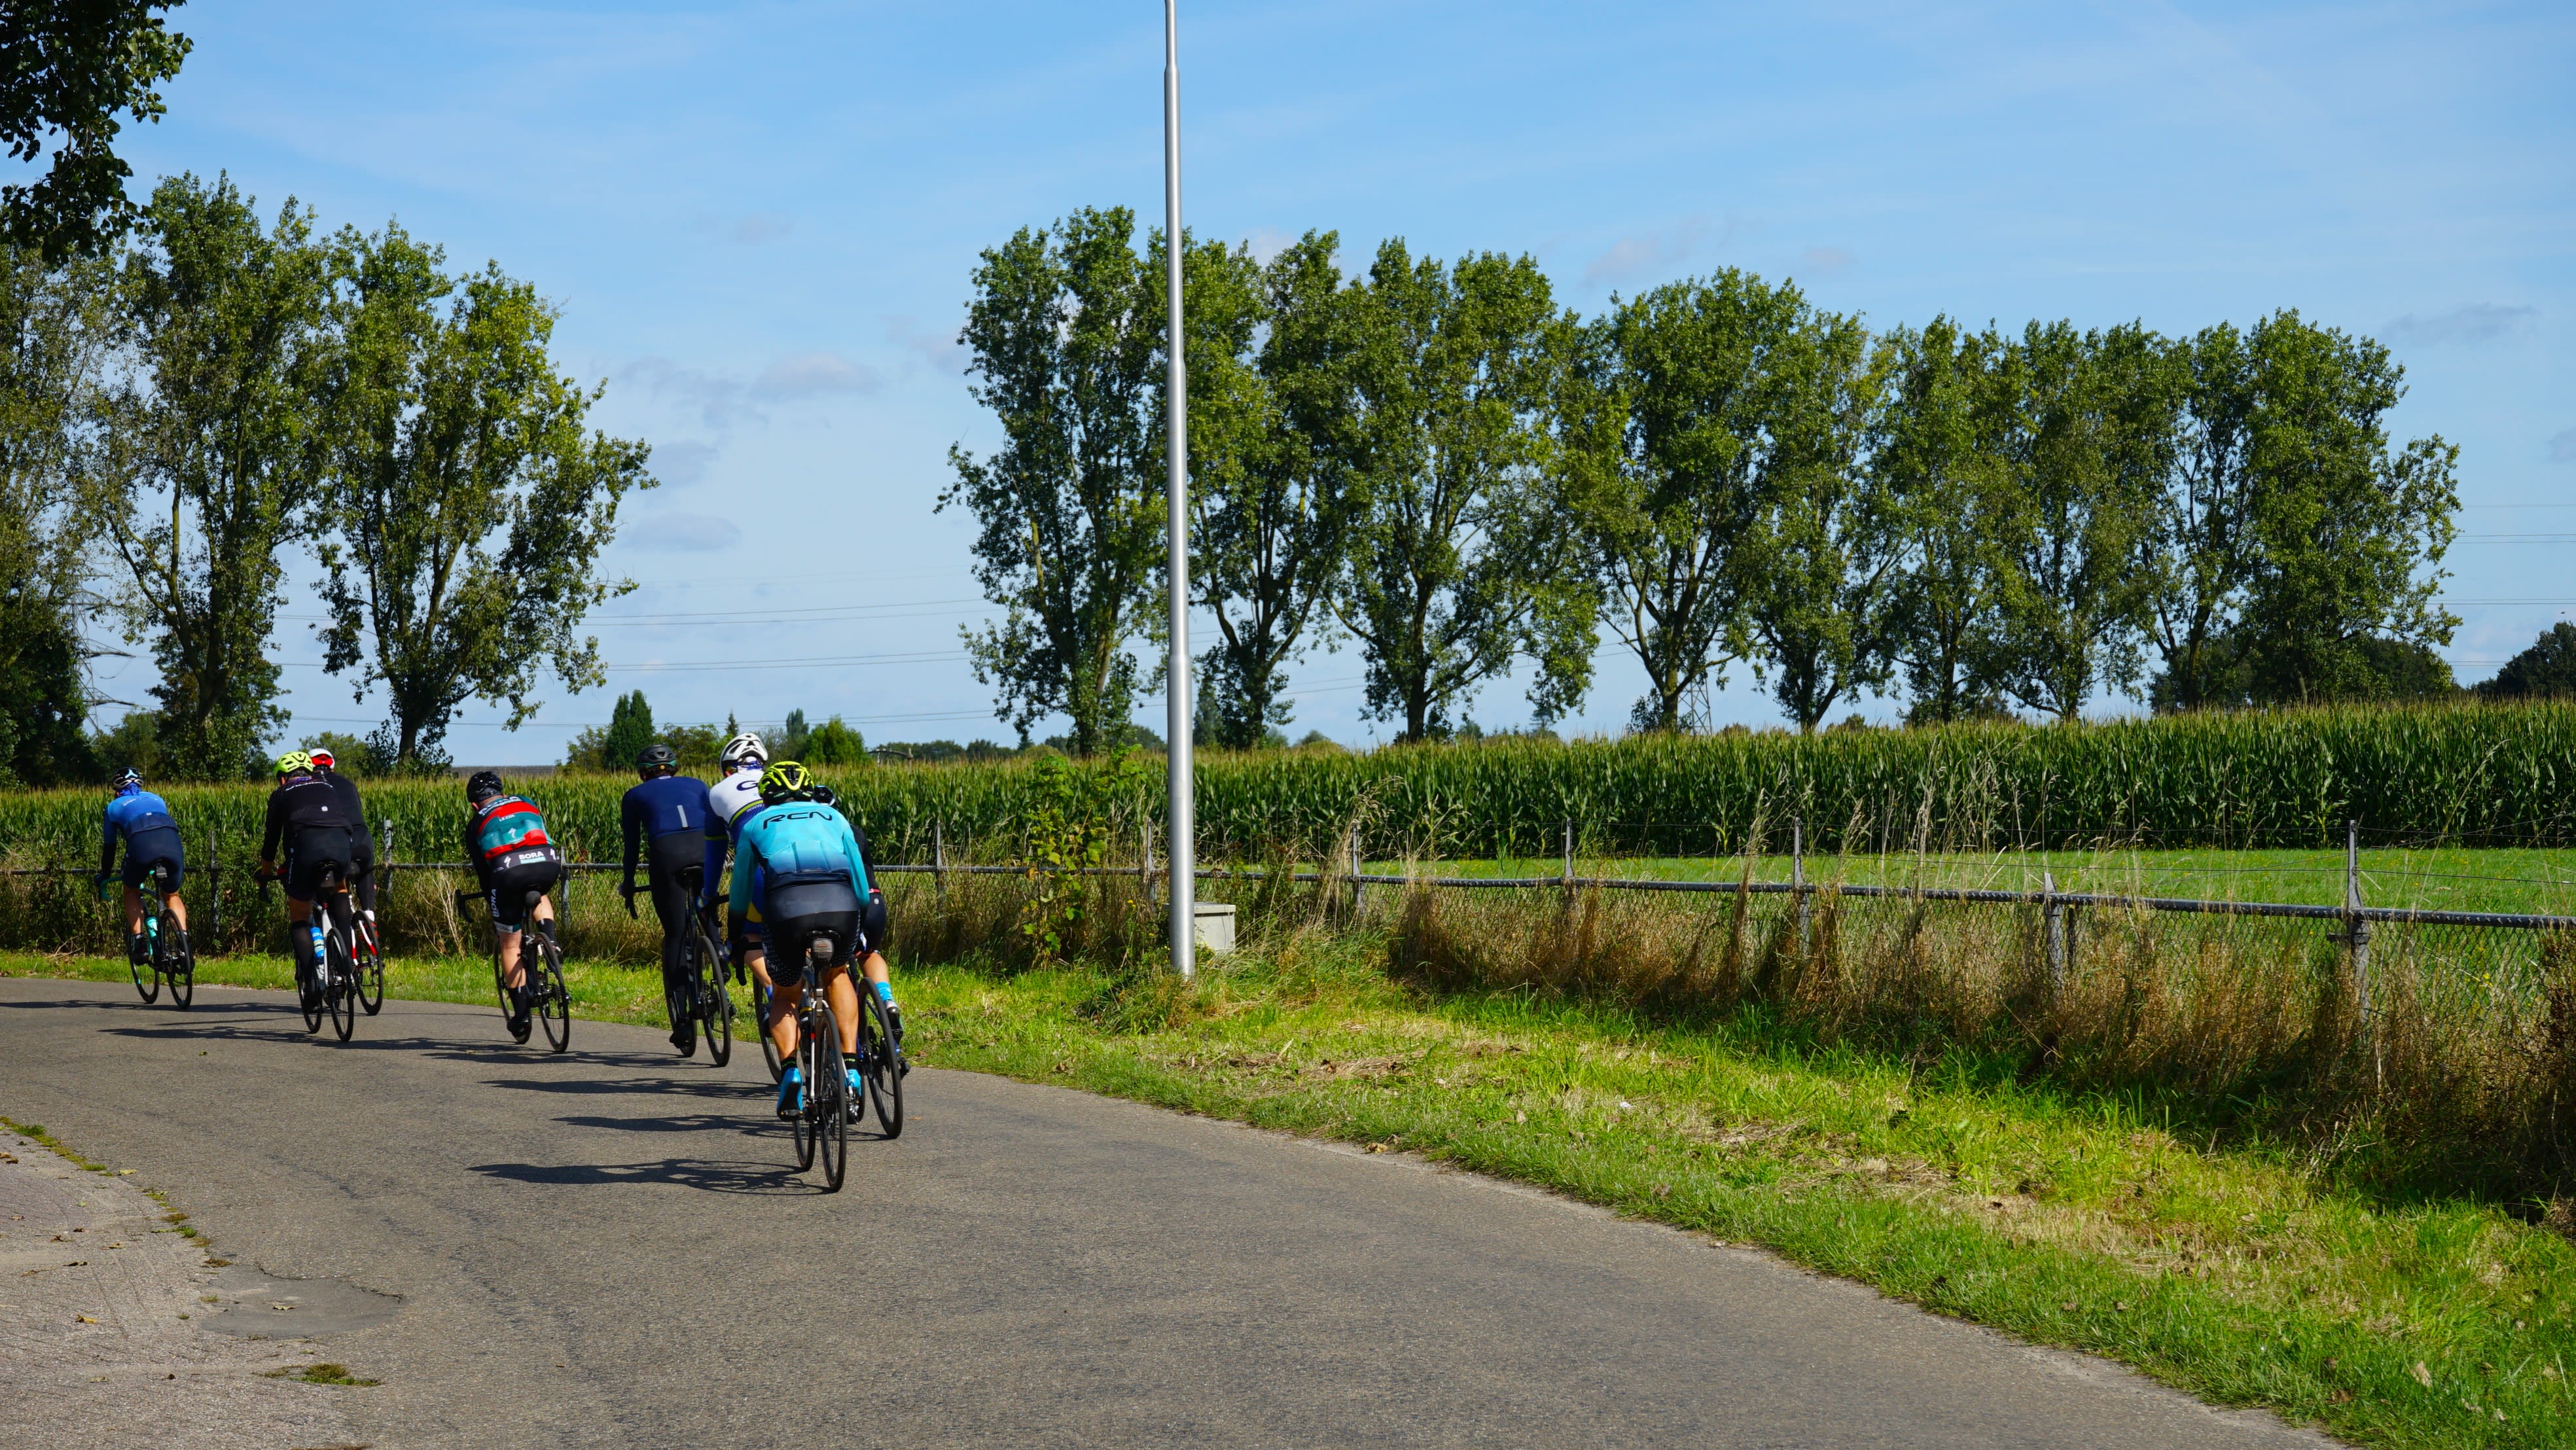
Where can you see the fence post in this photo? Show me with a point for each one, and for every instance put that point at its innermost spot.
(1148, 869)
(939, 860)
(1359, 896)
(2357, 940)
(2052, 933)
(214, 895)
(1569, 858)
(1798, 882)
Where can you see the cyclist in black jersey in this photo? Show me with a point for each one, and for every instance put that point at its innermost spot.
(667, 815)
(310, 820)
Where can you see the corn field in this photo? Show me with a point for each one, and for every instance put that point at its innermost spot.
(2467, 773)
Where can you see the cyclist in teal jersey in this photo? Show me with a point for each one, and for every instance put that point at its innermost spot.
(800, 871)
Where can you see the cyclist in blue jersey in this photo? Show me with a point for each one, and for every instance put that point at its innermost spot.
(141, 821)
(800, 871)
(667, 816)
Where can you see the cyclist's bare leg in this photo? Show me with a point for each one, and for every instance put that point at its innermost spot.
(505, 944)
(844, 998)
(134, 911)
(782, 1009)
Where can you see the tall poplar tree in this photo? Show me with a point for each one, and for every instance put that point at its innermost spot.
(1453, 570)
(1677, 435)
(1065, 338)
(1274, 448)
(468, 499)
(212, 450)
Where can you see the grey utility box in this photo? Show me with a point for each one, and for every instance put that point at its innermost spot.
(1215, 923)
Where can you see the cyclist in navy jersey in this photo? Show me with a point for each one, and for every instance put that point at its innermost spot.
(141, 821)
(667, 816)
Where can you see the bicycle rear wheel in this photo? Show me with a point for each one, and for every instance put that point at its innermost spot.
(179, 960)
(829, 1099)
(147, 972)
(877, 1064)
(803, 1121)
(308, 984)
(340, 971)
(554, 1003)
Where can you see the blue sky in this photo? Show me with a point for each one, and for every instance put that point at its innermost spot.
(759, 221)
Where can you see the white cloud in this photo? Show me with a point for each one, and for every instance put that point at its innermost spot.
(1646, 253)
(2473, 323)
(2562, 449)
(1267, 242)
(723, 401)
(682, 463)
(811, 374)
(942, 351)
(1827, 261)
(683, 534)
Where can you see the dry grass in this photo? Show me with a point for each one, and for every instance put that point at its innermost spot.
(2460, 1073)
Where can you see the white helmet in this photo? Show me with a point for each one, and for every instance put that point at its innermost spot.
(743, 752)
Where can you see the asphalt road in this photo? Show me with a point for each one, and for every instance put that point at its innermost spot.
(608, 1248)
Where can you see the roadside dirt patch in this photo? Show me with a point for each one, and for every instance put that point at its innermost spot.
(104, 1326)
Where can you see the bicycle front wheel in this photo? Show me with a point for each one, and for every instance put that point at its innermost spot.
(714, 1003)
(340, 976)
(180, 960)
(803, 1121)
(878, 1066)
(554, 1003)
(147, 972)
(830, 1100)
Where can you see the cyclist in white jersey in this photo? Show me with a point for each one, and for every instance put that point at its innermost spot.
(732, 801)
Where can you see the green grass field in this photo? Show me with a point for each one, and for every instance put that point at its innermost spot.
(2236, 1272)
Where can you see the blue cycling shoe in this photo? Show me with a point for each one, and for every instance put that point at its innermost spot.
(791, 1095)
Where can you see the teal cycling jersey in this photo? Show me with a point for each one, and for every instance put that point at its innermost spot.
(795, 841)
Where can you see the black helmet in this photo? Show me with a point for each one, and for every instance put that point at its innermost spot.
(657, 759)
(482, 785)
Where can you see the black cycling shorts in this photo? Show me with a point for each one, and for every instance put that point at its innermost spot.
(157, 847)
(520, 872)
(798, 912)
(310, 851)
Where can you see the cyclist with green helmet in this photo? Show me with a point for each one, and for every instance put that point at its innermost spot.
(802, 875)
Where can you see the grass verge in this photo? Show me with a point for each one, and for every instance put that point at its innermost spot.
(2239, 1273)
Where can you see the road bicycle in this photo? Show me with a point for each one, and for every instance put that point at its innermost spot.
(541, 968)
(167, 955)
(822, 1119)
(703, 960)
(330, 987)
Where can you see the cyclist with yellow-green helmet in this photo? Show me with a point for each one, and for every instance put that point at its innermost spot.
(800, 874)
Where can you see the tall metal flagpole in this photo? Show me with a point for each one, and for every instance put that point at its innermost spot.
(1179, 816)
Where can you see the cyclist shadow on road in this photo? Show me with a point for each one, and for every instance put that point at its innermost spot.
(728, 1088)
(760, 1180)
(703, 1123)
